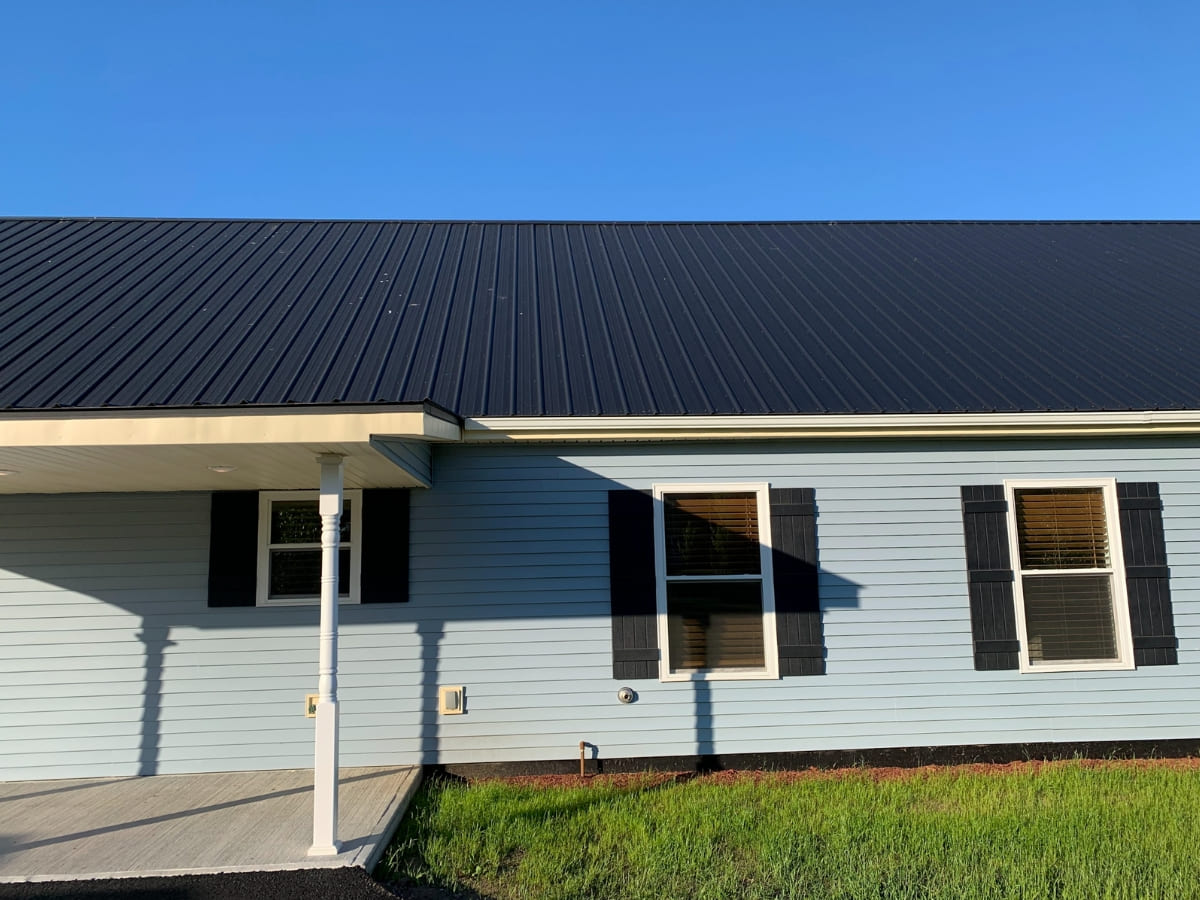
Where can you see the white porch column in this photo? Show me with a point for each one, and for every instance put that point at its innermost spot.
(325, 774)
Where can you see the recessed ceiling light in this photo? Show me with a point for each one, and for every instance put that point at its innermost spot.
(221, 469)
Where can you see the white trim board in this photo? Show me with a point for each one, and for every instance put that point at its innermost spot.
(134, 428)
(634, 428)
(1115, 572)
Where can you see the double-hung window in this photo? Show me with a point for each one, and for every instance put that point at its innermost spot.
(1065, 541)
(713, 567)
(289, 548)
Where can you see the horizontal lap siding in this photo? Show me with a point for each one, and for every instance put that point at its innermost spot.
(112, 663)
(509, 597)
(524, 529)
(412, 455)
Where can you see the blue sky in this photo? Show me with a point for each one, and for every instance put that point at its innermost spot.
(601, 110)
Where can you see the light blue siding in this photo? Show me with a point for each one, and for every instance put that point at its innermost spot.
(111, 663)
(415, 458)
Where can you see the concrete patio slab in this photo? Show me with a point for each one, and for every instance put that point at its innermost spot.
(191, 824)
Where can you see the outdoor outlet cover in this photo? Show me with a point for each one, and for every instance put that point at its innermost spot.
(310, 705)
(450, 700)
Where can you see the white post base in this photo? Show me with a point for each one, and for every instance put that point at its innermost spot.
(325, 782)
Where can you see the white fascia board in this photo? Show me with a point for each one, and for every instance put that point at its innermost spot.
(657, 428)
(253, 425)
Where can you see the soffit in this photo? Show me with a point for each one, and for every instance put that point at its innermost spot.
(46, 469)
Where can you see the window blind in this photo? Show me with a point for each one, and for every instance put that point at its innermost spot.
(715, 625)
(712, 534)
(1062, 528)
(1069, 617)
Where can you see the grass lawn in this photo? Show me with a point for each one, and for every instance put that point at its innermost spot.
(1032, 830)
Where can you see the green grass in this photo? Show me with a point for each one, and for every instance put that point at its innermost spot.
(1068, 830)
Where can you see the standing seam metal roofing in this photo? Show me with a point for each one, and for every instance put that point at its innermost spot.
(592, 318)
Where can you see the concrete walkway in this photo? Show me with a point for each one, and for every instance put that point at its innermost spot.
(191, 824)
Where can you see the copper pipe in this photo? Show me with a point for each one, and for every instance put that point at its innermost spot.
(582, 748)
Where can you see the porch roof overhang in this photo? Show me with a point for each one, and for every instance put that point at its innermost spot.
(204, 449)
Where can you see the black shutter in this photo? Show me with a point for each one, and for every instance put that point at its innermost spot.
(233, 549)
(990, 577)
(632, 584)
(383, 573)
(1146, 574)
(794, 572)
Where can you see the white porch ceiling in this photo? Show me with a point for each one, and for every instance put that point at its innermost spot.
(56, 470)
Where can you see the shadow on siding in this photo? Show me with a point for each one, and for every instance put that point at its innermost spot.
(705, 710)
(562, 515)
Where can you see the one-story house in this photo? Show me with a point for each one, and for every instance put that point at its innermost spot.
(668, 489)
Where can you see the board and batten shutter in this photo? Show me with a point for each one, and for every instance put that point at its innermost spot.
(1146, 575)
(797, 581)
(383, 575)
(632, 586)
(990, 577)
(233, 549)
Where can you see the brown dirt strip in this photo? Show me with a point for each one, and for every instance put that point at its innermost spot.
(873, 773)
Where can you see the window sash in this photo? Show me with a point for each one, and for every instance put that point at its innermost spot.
(1069, 618)
(715, 630)
(672, 582)
(352, 507)
(712, 533)
(1090, 630)
(346, 525)
(345, 571)
(1062, 528)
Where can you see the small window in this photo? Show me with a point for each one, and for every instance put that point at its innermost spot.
(289, 548)
(716, 613)
(1072, 612)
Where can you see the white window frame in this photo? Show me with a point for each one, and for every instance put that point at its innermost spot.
(770, 642)
(1116, 572)
(265, 499)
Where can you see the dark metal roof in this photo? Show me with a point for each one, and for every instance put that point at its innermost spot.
(537, 318)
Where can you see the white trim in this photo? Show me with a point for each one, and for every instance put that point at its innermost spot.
(770, 641)
(1120, 599)
(254, 425)
(358, 424)
(265, 498)
(632, 428)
